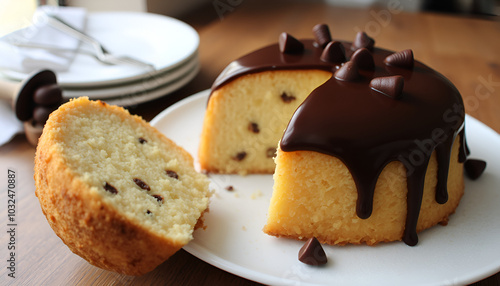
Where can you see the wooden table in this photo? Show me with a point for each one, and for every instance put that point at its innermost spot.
(465, 49)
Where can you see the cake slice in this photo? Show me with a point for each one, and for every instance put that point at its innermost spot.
(114, 189)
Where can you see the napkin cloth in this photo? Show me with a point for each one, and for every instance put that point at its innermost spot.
(28, 60)
(9, 124)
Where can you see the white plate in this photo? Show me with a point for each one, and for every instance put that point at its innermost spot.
(160, 40)
(152, 82)
(141, 96)
(464, 251)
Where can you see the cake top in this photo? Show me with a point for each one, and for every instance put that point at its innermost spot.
(379, 106)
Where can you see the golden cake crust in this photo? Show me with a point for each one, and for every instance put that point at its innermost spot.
(89, 225)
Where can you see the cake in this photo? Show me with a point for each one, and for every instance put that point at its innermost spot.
(372, 153)
(115, 190)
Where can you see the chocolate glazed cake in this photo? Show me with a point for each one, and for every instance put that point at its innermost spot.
(377, 107)
(398, 110)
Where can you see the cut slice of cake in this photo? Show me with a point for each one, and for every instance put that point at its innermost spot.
(115, 190)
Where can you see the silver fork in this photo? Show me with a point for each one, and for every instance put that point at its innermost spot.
(102, 54)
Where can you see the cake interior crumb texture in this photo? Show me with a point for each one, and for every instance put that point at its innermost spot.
(133, 170)
(255, 110)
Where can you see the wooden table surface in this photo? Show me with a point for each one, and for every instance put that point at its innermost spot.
(463, 48)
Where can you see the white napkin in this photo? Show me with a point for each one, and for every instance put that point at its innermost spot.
(9, 124)
(28, 60)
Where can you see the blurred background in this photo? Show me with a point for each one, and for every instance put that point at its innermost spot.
(16, 14)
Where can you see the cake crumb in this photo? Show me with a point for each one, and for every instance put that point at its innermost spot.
(244, 228)
(256, 194)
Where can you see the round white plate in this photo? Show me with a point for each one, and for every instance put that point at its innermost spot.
(152, 82)
(464, 251)
(142, 95)
(160, 40)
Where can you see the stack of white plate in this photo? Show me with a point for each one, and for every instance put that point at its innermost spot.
(168, 44)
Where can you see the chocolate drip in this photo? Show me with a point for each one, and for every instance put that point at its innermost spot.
(415, 183)
(366, 129)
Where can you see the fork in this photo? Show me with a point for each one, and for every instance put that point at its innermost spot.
(101, 53)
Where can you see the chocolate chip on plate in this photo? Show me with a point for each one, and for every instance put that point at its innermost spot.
(312, 253)
(474, 168)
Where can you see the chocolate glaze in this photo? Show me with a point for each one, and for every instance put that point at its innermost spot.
(367, 129)
(270, 58)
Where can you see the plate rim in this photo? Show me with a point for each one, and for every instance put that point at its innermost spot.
(115, 91)
(160, 91)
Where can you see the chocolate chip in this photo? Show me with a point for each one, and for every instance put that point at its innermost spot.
(142, 184)
(362, 40)
(172, 174)
(402, 59)
(334, 52)
(47, 95)
(142, 140)
(270, 152)
(363, 59)
(474, 168)
(254, 127)
(287, 98)
(289, 45)
(240, 156)
(230, 188)
(322, 34)
(158, 198)
(312, 253)
(391, 86)
(41, 113)
(148, 212)
(108, 187)
(348, 72)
